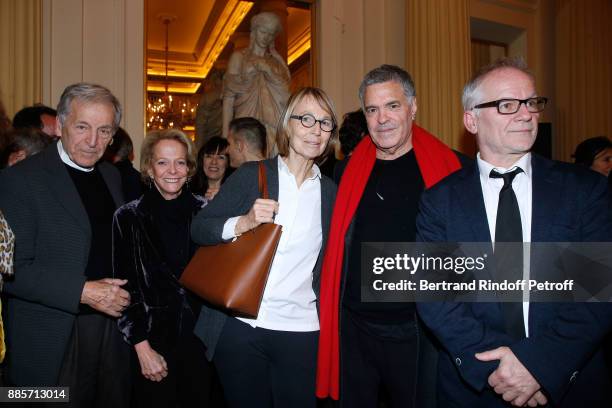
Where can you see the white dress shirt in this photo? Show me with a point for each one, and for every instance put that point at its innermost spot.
(289, 302)
(522, 186)
(67, 160)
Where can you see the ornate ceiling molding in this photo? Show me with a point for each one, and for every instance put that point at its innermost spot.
(298, 46)
(213, 38)
(516, 5)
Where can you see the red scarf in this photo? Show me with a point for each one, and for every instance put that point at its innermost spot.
(435, 161)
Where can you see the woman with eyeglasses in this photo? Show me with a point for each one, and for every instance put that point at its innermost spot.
(271, 360)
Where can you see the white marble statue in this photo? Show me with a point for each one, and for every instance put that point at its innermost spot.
(256, 82)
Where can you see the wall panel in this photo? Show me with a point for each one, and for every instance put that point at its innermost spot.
(20, 53)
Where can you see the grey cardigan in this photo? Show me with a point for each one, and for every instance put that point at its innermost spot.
(236, 197)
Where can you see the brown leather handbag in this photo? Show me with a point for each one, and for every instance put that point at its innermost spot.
(233, 275)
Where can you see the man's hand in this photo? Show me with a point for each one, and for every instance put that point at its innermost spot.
(152, 364)
(511, 379)
(106, 296)
(538, 399)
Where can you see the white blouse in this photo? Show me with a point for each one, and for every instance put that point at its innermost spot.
(289, 302)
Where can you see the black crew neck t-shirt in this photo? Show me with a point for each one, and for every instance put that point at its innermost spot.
(386, 213)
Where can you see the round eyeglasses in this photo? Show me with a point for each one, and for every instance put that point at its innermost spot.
(510, 106)
(308, 121)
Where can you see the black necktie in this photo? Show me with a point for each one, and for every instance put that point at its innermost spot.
(508, 225)
(509, 258)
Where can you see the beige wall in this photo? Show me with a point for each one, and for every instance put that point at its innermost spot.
(536, 19)
(568, 45)
(355, 36)
(440, 64)
(20, 54)
(584, 72)
(101, 42)
(557, 38)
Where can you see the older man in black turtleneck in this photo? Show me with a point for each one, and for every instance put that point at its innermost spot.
(63, 302)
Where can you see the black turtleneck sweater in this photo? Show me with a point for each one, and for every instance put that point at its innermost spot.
(100, 207)
(171, 219)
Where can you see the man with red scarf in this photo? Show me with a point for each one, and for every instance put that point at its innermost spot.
(365, 347)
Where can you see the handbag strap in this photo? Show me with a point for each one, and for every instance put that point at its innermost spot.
(263, 181)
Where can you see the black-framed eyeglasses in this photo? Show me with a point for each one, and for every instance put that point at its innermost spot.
(510, 106)
(308, 121)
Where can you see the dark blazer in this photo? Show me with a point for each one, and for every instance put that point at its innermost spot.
(159, 306)
(236, 197)
(53, 236)
(131, 180)
(570, 204)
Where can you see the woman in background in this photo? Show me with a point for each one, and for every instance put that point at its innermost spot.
(151, 247)
(212, 168)
(596, 154)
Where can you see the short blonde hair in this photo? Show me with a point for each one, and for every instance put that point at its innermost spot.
(282, 131)
(153, 138)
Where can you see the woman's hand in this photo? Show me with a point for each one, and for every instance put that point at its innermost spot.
(262, 212)
(152, 364)
(211, 192)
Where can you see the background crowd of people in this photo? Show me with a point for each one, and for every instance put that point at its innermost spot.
(97, 249)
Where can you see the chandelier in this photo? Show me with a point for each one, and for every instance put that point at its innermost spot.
(166, 110)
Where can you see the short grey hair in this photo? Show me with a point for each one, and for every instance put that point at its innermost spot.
(471, 91)
(85, 92)
(386, 73)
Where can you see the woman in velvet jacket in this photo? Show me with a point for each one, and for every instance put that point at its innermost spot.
(151, 247)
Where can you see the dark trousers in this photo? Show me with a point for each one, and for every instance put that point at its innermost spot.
(189, 379)
(96, 365)
(266, 368)
(378, 362)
